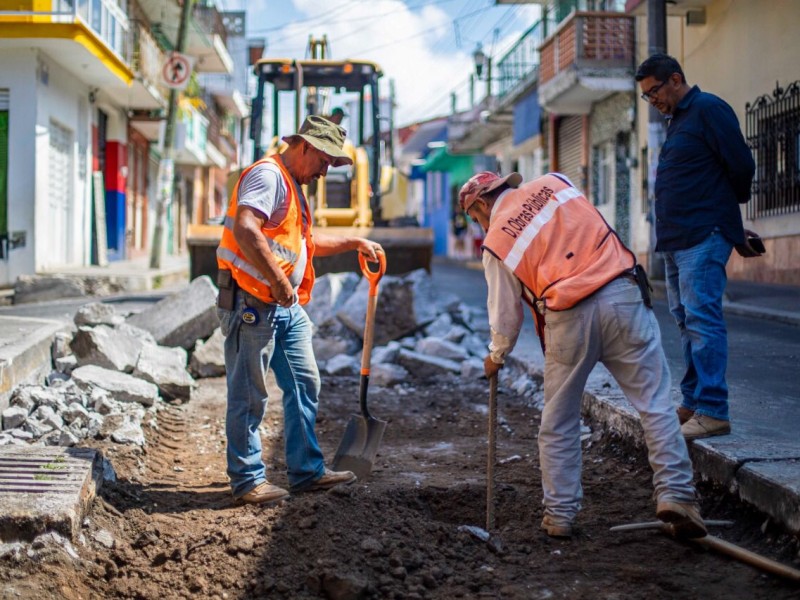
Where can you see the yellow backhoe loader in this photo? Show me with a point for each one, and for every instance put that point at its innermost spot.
(362, 199)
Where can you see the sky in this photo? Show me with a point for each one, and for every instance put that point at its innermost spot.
(424, 46)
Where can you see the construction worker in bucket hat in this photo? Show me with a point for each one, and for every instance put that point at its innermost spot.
(548, 246)
(265, 276)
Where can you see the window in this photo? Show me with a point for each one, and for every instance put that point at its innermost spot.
(773, 134)
(602, 173)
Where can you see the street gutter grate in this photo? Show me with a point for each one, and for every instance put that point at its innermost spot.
(46, 488)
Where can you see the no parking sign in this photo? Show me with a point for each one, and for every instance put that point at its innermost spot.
(176, 70)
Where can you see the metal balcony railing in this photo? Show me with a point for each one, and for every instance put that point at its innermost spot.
(105, 17)
(521, 63)
(211, 20)
(588, 40)
(146, 56)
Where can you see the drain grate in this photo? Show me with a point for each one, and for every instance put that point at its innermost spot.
(46, 488)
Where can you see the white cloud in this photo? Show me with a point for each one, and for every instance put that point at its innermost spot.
(413, 48)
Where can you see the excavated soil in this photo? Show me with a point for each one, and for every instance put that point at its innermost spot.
(176, 533)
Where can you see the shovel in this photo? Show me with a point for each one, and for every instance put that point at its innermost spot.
(363, 435)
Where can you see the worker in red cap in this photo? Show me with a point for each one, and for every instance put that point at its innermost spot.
(548, 246)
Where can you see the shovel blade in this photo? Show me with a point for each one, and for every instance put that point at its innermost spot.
(359, 446)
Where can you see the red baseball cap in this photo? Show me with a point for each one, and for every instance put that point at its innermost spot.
(484, 182)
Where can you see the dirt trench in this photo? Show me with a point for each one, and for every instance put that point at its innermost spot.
(176, 533)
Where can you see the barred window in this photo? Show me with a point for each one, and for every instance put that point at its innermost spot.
(773, 134)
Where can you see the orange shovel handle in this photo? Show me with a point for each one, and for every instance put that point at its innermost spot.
(373, 276)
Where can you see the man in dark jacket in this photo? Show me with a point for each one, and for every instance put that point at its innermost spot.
(705, 170)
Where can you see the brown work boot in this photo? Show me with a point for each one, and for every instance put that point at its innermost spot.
(556, 530)
(264, 493)
(684, 414)
(329, 480)
(684, 517)
(703, 426)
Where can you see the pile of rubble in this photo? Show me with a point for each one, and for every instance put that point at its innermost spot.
(112, 371)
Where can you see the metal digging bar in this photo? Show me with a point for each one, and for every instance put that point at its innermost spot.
(723, 547)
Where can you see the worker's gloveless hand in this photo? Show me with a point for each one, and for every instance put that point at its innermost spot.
(369, 249)
(490, 368)
(283, 293)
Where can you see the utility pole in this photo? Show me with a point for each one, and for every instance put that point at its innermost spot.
(166, 167)
(656, 128)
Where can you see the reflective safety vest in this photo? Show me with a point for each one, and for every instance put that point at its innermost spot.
(285, 241)
(556, 243)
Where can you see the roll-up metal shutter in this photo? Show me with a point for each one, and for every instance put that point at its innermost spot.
(569, 149)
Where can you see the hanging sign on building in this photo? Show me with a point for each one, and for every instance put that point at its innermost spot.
(176, 70)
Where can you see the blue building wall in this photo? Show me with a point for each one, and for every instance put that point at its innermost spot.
(527, 117)
(437, 209)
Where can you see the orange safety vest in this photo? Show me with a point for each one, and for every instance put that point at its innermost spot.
(285, 241)
(556, 243)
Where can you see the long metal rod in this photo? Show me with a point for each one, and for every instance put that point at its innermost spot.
(723, 547)
(491, 454)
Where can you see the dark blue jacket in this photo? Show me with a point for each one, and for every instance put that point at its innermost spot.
(705, 170)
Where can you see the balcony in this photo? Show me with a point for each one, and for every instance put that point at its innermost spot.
(87, 39)
(589, 57)
(146, 91)
(206, 37)
(191, 136)
(518, 70)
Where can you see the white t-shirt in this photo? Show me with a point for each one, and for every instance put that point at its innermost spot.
(264, 189)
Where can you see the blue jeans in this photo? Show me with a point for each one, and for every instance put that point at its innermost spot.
(280, 340)
(696, 281)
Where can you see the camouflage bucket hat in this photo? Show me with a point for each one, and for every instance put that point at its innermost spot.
(325, 136)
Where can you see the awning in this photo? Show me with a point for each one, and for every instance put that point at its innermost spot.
(458, 166)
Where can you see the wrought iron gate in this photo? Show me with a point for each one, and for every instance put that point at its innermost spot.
(773, 134)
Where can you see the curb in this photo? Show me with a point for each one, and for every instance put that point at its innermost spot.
(29, 358)
(770, 484)
(763, 475)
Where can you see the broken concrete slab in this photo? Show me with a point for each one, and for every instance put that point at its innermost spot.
(424, 366)
(434, 346)
(387, 374)
(166, 367)
(183, 317)
(405, 305)
(46, 489)
(97, 313)
(121, 386)
(106, 347)
(329, 294)
(208, 357)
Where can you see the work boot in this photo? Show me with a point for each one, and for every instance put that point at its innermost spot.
(329, 480)
(264, 493)
(684, 517)
(556, 530)
(703, 426)
(684, 414)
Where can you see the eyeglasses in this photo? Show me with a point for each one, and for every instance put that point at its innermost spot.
(650, 95)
